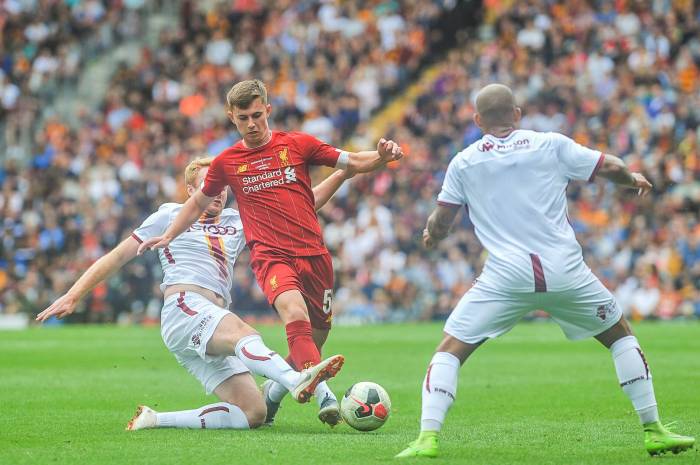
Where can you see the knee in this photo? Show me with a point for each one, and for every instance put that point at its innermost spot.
(235, 332)
(256, 413)
(294, 312)
(459, 349)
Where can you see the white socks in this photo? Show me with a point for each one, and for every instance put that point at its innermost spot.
(212, 416)
(277, 393)
(439, 390)
(440, 384)
(635, 378)
(322, 392)
(259, 359)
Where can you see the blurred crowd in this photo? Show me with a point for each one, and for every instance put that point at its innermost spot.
(328, 66)
(621, 77)
(44, 46)
(618, 76)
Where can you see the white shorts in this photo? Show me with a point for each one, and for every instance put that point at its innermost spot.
(187, 322)
(485, 313)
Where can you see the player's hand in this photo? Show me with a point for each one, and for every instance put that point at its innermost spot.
(428, 240)
(641, 183)
(64, 306)
(158, 242)
(389, 150)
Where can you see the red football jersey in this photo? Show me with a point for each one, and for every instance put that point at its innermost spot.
(273, 189)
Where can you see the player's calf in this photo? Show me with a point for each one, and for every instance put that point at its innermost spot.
(256, 414)
(271, 404)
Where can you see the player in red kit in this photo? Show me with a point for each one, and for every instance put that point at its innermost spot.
(269, 175)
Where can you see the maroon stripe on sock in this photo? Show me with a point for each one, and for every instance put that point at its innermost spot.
(427, 378)
(183, 306)
(218, 408)
(254, 357)
(540, 283)
(644, 360)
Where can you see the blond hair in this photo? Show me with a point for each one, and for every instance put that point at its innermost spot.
(192, 170)
(243, 93)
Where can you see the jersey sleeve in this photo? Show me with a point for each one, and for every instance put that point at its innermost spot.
(316, 152)
(452, 192)
(576, 162)
(215, 181)
(154, 225)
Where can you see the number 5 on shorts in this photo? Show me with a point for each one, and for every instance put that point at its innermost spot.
(327, 300)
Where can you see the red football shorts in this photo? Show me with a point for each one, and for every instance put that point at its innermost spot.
(312, 276)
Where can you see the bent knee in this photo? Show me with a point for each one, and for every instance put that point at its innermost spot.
(294, 313)
(256, 414)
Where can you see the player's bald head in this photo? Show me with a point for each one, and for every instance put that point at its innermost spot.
(495, 105)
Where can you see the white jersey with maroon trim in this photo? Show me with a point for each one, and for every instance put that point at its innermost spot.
(203, 255)
(515, 192)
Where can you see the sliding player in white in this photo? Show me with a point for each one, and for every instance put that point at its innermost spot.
(514, 184)
(215, 345)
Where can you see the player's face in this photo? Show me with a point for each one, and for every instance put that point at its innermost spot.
(215, 207)
(251, 122)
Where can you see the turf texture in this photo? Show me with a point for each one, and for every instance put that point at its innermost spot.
(529, 397)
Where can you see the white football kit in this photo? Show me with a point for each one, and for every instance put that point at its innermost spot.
(515, 192)
(203, 255)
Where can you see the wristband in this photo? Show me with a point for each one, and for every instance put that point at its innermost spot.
(343, 160)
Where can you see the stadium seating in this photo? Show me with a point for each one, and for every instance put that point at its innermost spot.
(622, 81)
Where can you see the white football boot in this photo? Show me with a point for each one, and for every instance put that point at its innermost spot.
(145, 418)
(310, 377)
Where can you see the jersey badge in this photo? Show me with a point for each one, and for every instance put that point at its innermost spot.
(284, 157)
(485, 146)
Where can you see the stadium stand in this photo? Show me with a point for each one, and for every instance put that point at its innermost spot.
(622, 79)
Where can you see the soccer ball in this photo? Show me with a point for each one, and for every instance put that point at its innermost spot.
(365, 406)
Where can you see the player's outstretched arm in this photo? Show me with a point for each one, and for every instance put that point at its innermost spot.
(191, 210)
(103, 268)
(364, 162)
(439, 224)
(324, 190)
(616, 170)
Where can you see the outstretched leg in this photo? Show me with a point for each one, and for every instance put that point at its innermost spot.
(635, 379)
(234, 336)
(241, 407)
(274, 392)
(439, 392)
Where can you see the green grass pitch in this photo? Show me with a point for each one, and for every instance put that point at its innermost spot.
(529, 397)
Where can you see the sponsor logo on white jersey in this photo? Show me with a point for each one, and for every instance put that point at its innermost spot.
(517, 144)
(215, 229)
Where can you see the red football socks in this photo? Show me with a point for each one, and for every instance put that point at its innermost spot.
(302, 349)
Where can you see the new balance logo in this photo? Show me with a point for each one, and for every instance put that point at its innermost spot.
(638, 378)
(290, 174)
(445, 392)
